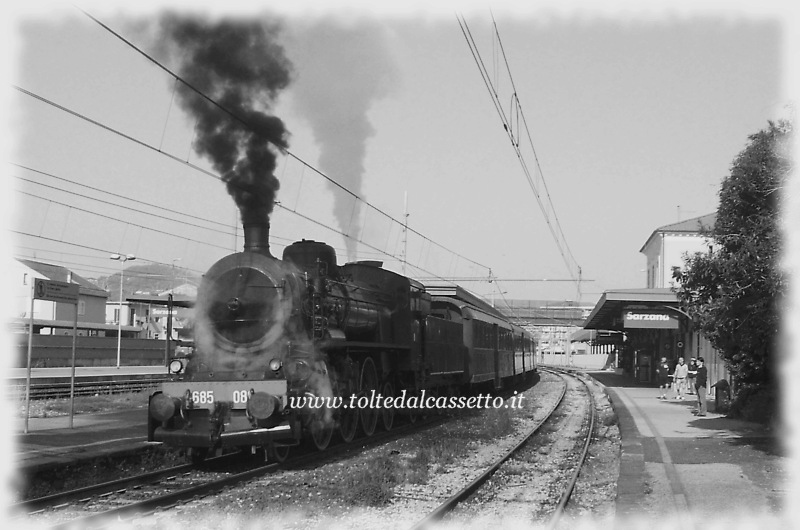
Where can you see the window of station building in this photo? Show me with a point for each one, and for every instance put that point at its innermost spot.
(81, 307)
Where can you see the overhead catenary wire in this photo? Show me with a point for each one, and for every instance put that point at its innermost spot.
(521, 114)
(117, 205)
(227, 228)
(278, 205)
(208, 173)
(244, 122)
(401, 259)
(545, 203)
(130, 223)
(106, 192)
(87, 247)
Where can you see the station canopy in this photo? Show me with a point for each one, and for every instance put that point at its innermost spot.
(625, 309)
(596, 336)
(178, 300)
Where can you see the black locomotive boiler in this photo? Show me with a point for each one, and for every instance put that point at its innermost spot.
(273, 336)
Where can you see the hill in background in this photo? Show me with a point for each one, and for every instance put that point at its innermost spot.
(151, 279)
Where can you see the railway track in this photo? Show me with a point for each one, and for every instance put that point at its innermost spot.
(138, 496)
(91, 388)
(473, 489)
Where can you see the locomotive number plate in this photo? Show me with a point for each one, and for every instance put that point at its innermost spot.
(205, 393)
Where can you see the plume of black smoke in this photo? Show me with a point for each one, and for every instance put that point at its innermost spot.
(241, 66)
(343, 69)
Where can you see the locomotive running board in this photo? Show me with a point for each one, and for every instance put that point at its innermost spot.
(329, 344)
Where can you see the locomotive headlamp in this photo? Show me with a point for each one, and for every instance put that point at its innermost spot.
(298, 370)
(275, 365)
(175, 366)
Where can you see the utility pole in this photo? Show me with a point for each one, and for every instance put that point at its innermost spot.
(405, 232)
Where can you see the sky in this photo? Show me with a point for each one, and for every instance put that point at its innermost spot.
(625, 121)
(635, 116)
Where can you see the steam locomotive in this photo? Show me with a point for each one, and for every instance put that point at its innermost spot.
(274, 339)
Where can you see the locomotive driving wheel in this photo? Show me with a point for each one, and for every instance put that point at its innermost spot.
(412, 413)
(197, 455)
(321, 433)
(278, 453)
(348, 417)
(387, 413)
(368, 385)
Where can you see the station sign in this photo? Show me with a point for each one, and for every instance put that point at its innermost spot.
(605, 338)
(55, 291)
(640, 319)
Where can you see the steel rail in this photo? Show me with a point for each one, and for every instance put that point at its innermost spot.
(470, 488)
(60, 390)
(168, 500)
(559, 511)
(149, 506)
(38, 504)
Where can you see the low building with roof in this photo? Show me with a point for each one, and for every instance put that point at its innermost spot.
(91, 305)
(49, 334)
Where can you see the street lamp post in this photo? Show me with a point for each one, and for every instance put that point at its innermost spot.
(172, 283)
(170, 297)
(122, 259)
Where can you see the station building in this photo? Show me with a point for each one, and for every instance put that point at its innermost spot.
(667, 245)
(650, 319)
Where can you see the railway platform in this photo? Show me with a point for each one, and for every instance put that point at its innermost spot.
(18, 376)
(678, 466)
(64, 372)
(50, 441)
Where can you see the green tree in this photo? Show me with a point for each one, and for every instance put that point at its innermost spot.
(734, 291)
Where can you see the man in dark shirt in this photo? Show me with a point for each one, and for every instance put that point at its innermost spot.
(662, 372)
(701, 379)
(691, 375)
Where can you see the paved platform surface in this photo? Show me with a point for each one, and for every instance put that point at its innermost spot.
(696, 471)
(20, 375)
(51, 441)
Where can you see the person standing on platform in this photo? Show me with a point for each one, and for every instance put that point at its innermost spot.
(690, 377)
(700, 386)
(681, 371)
(662, 373)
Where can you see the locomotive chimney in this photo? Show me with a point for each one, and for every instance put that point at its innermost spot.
(256, 237)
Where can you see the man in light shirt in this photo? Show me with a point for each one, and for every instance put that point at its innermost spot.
(681, 372)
